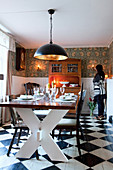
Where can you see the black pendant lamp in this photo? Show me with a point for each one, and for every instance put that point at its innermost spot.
(51, 51)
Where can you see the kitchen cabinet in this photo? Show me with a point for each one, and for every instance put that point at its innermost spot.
(66, 71)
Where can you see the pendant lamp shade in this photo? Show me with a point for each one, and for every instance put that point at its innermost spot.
(51, 51)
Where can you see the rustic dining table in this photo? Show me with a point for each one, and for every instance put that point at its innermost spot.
(40, 130)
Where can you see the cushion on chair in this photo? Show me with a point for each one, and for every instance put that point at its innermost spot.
(20, 125)
(67, 122)
(42, 112)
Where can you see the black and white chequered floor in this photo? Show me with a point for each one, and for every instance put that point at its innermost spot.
(97, 149)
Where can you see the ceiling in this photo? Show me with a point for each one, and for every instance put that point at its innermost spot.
(76, 23)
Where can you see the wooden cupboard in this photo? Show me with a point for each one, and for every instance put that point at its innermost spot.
(66, 71)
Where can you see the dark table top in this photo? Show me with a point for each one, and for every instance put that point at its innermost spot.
(42, 104)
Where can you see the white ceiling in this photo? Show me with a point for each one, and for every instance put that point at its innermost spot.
(76, 23)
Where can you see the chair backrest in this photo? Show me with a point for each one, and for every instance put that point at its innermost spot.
(84, 95)
(14, 116)
(79, 107)
(29, 87)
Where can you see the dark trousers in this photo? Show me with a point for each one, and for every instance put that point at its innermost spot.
(99, 99)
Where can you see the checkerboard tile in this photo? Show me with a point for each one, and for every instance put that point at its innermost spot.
(96, 149)
(100, 142)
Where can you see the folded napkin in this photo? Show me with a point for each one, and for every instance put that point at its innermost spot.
(26, 97)
(69, 94)
(26, 100)
(65, 100)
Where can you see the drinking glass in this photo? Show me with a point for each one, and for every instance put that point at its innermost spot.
(42, 90)
(56, 92)
(34, 91)
(50, 91)
(4, 98)
(62, 90)
(28, 92)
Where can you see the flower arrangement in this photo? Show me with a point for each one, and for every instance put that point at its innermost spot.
(92, 105)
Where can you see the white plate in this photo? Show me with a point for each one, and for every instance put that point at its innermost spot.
(69, 94)
(67, 99)
(39, 95)
(25, 99)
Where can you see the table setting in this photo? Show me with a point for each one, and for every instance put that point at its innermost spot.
(29, 98)
(25, 104)
(59, 95)
(67, 97)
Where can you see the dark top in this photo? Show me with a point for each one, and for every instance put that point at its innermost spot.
(98, 82)
(99, 76)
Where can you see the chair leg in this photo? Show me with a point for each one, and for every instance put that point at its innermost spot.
(37, 156)
(28, 132)
(19, 136)
(78, 141)
(11, 142)
(82, 135)
(70, 132)
(60, 130)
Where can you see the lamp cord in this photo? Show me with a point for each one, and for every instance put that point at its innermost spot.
(51, 29)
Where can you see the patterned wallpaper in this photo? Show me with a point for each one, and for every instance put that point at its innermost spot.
(33, 63)
(89, 57)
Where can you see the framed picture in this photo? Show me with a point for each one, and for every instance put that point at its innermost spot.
(20, 59)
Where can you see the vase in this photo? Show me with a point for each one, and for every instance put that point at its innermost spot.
(91, 112)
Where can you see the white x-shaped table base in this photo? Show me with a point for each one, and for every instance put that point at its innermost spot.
(41, 134)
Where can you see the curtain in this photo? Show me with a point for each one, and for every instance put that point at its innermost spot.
(8, 84)
(4, 46)
(9, 74)
(3, 70)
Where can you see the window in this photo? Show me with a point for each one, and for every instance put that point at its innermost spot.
(3, 69)
(4, 46)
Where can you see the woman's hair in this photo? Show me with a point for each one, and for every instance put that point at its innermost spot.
(99, 68)
(100, 71)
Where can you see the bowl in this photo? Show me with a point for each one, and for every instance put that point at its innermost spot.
(64, 83)
(73, 85)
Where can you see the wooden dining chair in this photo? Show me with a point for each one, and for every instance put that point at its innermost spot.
(29, 87)
(72, 124)
(17, 124)
(72, 114)
(29, 90)
(84, 95)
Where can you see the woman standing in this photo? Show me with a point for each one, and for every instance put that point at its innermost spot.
(99, 90)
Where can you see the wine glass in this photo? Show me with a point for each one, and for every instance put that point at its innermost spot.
(50, 92)
(62, 90)
(55, 92)
(42, 90)
(34, 91)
